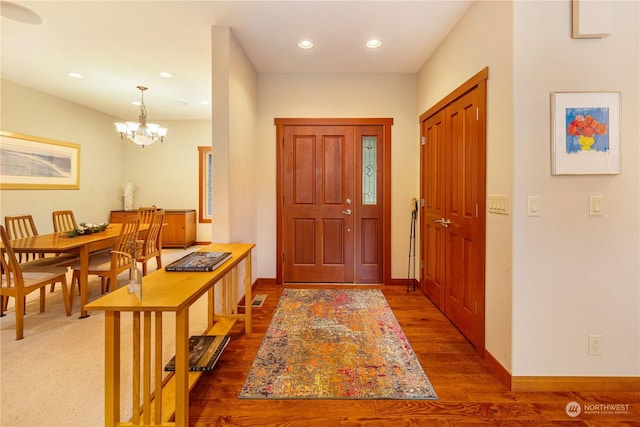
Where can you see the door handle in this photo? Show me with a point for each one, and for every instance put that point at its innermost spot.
(442, 221)
(347, 212)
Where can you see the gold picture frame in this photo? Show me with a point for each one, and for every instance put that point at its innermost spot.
(34, 163)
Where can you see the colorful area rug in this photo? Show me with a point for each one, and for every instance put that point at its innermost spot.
(335, 344)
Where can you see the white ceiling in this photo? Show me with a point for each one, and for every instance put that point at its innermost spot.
(118, 45)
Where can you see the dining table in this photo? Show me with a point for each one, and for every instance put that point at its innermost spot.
(82, 245)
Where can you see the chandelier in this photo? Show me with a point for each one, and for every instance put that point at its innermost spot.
(141, 133)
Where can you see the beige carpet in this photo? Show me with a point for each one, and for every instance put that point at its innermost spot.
(55, 375)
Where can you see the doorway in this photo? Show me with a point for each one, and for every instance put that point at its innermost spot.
(453, 192)
(333, 197)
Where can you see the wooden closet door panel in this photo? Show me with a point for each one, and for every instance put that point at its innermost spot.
(433, 194)
(453, 188)
(464, 246)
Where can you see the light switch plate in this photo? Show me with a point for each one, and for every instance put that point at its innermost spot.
(533, 206)
(499, 204)
(596, 205)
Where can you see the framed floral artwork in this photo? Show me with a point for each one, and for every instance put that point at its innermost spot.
(585, 133)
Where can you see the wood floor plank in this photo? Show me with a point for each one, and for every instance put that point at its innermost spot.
(469, 394)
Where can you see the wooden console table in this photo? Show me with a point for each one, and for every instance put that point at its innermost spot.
(174, 292)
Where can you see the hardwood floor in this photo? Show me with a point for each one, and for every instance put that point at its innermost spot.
(469, 394)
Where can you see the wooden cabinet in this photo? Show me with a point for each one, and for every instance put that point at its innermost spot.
(179, 230)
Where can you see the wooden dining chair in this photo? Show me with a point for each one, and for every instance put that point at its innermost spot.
(23, 226)
(64, 221)
(146, 213)
(18, 284)
(108, 265)
(20, 227)
(151, 244)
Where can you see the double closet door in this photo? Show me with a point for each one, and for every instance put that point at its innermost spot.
(453, 207)
(332, 200)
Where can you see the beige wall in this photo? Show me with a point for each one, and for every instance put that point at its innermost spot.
(102, 155)
(243, 144)
(235, 206)
(341, 95)
(220, 77)
(470, 47)
(574, 274)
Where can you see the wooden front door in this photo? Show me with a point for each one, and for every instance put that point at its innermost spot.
(453, 219)
(318, 215)
(332, 213)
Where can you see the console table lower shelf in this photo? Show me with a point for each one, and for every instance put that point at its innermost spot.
(168, 405)
(166, 402)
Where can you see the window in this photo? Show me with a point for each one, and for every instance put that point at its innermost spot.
(205, 184)
(369, 170)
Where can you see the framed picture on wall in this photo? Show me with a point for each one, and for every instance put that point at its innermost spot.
(29, 163)
(585, 133)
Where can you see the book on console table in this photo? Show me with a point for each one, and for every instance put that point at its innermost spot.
(204, 352)
(199, 261)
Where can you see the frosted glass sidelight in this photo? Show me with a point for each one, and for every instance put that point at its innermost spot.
(369, 170)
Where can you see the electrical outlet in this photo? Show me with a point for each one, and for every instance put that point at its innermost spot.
(595, 345)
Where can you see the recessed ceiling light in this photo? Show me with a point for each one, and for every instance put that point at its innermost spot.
(165, 74)
(19, 13)
(305, 44)
(205, 103)
(374, 43)
(75, 75)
